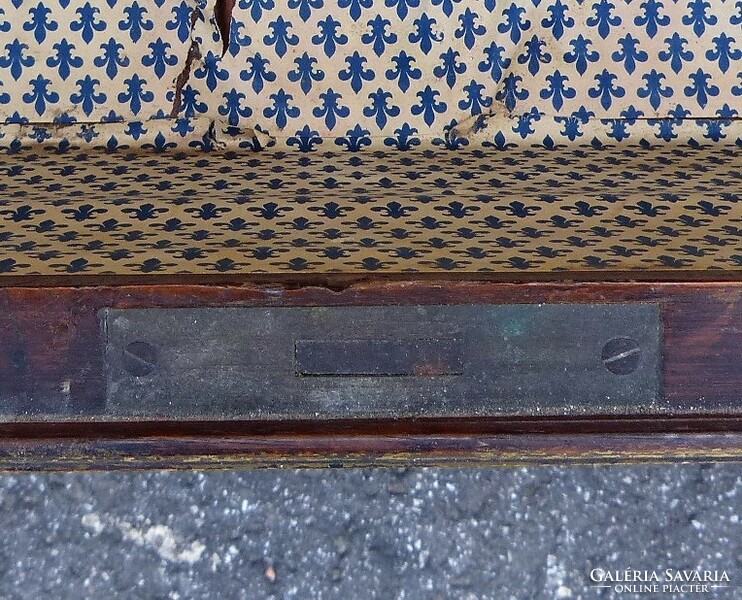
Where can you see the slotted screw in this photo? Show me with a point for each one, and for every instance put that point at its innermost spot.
(140, 359)
(621, 355)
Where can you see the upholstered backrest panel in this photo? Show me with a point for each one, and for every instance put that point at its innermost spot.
(193, 136)
(381, 70)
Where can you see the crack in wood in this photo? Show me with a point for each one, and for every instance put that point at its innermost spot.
(223, 15)
(194, 53)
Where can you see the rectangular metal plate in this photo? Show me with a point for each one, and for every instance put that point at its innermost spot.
(390, 361)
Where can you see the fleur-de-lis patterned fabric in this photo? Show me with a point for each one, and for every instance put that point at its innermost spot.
(535, 210)
(143, 136)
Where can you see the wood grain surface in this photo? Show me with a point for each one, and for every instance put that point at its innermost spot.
(51, 361)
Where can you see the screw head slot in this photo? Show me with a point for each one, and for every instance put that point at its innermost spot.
(621, 355)
(139, 359)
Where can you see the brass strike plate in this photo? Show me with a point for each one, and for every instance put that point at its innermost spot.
(390, 361)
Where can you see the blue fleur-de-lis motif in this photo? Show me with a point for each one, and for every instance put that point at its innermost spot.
(722, 52)
(378, 35)
(514, 22)
(280, 37)
(380, 108)
(676, 52)
(533, 55)
(667, 126)
(395, 210)
(405, 138)
(22, 213)
(424, 33)
(16, 59)
(709, 208)
(78, 265)
(524, 123)
(494, 61)
(158, 58)
(404, 70)
(112, 58)
(183, 127)
(83, 212)
(112, 117)
(581, 54)
(606, 89)
(475, 102)
(630, 53)
(258, 72)
(135, 93)
(144, 212)
(40, 94)
(355, 71)
(519, 209)
(429, 105)
(469, 29)
(652, 18)
(328, 37)
(356, 7)
(305, 139)
(211, 71)
(63, 59)
(726, 113)
(331, 108)
(135, 129)
(698, 17)
(208, 211)
(648, 209)
(737, 19)
(256, 7)
(270, 210)
(65, 119)
(88, 22)
(86, 96)
(403, 6)
(510, 93)
(136, 21)
(238, 224)
(654, 89)
(450, 68)
(699, 72)
(603, 17)
(305, 7)
(715, 127)
(447, 6)
(236, 40)
(41, 134)
(701, 87)
(181, 21)
(192, 254)
(355, 139)
(557, 89)
(558, 20)
(619, 130)
(40, 23)
(305, 72)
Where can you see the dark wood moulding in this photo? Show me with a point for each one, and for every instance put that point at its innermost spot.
(52, 362)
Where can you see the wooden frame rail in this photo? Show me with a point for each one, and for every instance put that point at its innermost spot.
(52, 378)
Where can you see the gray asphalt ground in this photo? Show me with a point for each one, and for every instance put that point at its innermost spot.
(358, 534)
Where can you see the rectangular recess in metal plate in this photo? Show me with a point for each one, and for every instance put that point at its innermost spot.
(383, 361)
(381, 358)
